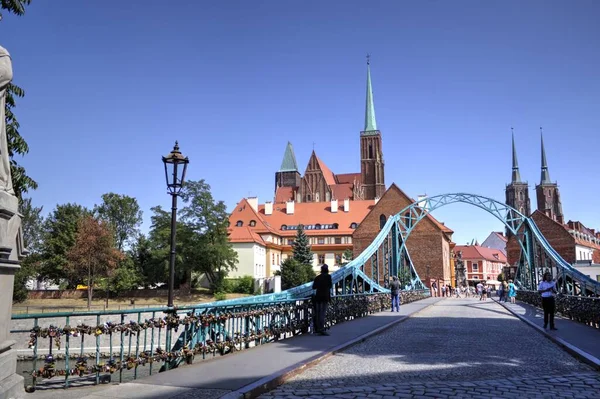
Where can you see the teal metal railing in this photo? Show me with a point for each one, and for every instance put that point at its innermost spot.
(96, 344)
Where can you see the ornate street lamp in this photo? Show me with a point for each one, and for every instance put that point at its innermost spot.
(175, 168)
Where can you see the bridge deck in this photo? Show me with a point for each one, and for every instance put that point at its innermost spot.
(455, 348)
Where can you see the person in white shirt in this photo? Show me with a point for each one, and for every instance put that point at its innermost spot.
(547, 288)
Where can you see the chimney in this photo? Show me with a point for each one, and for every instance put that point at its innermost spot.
(268, 208)
(376, 200)
(289, 207)
(334, 206)
(421, 201)
(253, 201)
(347, 205)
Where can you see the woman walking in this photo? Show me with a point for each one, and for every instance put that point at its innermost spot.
(512, 291)
(547, 289)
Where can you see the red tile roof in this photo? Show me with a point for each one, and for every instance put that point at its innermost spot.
(477, 252)
(327, 173)
(306, 213)
(342, 191)
(349, 178)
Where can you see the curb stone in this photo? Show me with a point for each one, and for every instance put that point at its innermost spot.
(574, 351)
(272, 381)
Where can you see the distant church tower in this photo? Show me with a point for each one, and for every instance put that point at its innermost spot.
(288, 174)
(548, 196)
(517, 192)
(371, 149)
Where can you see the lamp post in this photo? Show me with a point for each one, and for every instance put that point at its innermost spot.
(175, 168)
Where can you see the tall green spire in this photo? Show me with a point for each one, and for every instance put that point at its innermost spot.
(545, 174)
(516, 176)
(370, 123)
(289, 160)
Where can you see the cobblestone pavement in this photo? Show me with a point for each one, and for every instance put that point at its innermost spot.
(456, 348)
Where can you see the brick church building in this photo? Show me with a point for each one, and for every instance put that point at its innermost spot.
(339, 212)
(574, 242)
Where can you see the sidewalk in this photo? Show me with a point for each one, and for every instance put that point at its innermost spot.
(578, 339)
(250, 371)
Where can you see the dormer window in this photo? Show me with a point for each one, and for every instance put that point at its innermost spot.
(252, 223)
(239, 223)
(283, 227)
(317, 227)
(353, 225)
(335, 226)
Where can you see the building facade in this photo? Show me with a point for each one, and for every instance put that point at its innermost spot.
(496, 240)
(482, 264)
(429, 243)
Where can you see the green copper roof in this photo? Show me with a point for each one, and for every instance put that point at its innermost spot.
(516, 176)
(289, 160)
(545, 174)
(370, 123)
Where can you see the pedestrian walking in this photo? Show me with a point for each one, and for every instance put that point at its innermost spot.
(443, 291)
(434, 288)
(547, 288)
(512, 291)
(395, 290)
(323, 285)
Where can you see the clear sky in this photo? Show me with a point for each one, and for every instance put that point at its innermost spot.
(112, 84)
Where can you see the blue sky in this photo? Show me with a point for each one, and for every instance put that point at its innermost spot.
(111, 85)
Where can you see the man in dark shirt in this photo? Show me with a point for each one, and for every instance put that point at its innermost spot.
(323, 285)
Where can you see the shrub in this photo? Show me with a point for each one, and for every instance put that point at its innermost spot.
(220, 296)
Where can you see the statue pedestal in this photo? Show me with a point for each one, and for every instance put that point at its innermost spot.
(11, 251)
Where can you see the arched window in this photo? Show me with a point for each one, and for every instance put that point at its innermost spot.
(327, 196)
(317, 226)
(317, 197)
(370, 151)
(353, 225)
(382, 220)
(335, 226)
(239, 223)
(252, 223)
(283, 227)
(407, 220)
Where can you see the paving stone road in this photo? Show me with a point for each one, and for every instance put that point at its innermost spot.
(458, 348)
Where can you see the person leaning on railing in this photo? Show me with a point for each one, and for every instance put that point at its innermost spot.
(547, 288)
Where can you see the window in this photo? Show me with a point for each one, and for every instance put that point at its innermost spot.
(382, 220)
(252, 223)
(370, 151)
(321, 259)
(290, 241)
(335, 226)
(317, 197)
(239, 223)
(327, 196)
(353, 225)
(338, 240)
(321, 240)
(273, 258)
(475, 266)
(317, 227)
(283, 227)
(338, 260)
(407, 220)
(307, 197)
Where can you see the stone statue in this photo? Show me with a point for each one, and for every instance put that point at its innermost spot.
(6, 76)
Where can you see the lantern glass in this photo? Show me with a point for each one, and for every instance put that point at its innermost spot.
(175, 169)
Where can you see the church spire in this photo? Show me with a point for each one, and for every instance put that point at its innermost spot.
(545, 174)
(289, 160)
(516, 176)
(370, 123)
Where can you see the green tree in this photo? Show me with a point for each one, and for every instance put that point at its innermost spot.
(32, 224)
(348, 256)
(93, 256)
(16, 7)
(294, 273)
(123, 214)
(404, 276)
(207, 245)
(152, 270)
(60, 235)
(301, 247)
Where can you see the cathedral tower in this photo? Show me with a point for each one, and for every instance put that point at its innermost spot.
(288, 174)
(371, 149)
(548, 196)
(517, 192)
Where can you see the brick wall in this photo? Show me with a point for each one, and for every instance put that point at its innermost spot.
(558, 237)
(425, 244)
